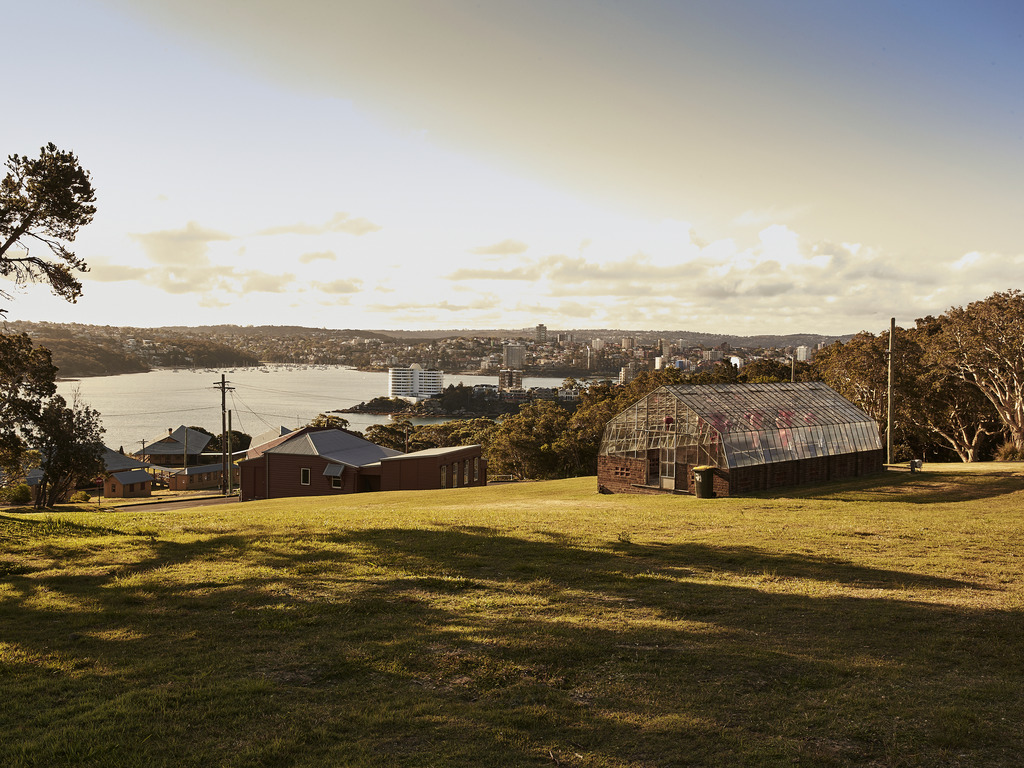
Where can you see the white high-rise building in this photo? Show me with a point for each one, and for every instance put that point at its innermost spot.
(414, 382)
(803, 353)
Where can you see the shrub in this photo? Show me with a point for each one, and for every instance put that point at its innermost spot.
(1008, 452)
(80, 496)
(19, 494)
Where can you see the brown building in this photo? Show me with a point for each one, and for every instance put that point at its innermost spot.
(742, 437)
(130, 484)
(316, 462)
(199, 478)
(180, 448)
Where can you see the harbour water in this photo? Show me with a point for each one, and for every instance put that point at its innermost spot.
(143, 406)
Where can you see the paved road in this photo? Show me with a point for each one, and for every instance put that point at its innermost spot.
(183, 504)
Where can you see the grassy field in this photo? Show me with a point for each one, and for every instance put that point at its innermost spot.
(875, 623)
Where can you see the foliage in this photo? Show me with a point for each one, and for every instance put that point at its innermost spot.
(530, 444)
(69, 441)
(27, 380)
(329, 420)
(240, 441)
(981, 344)
(19, 494)
(858, 370)
(80, 497)
(44, 200)
(1009, 452)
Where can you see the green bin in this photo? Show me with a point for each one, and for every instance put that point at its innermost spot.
(704, 482)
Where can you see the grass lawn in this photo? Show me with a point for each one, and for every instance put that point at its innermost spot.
(877, 622)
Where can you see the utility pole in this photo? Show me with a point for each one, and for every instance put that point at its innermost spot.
(231, 461)
(889, 416)
(222, 385)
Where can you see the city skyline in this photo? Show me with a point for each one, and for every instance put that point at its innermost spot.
(740, 167)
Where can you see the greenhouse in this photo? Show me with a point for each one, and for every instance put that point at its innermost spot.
(742, 438)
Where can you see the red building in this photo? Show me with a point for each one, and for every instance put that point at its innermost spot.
(317, 462)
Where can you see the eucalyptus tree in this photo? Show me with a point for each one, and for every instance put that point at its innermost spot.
(983, 345)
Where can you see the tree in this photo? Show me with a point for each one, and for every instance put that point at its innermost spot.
(70, 446)
(329, 420)
(27, 376)
(950, 409)
(44, 200)
(525, 445)
(982, 345)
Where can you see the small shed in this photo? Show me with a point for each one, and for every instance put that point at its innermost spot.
(755, 437)
(132, 483)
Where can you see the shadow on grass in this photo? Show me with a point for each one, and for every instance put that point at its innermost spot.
(930, 487)
(469, 647)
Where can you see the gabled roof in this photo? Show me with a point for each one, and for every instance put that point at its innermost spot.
(335, 445)
(114, 461)
(174, 443)
(200, 470)
(269, 436)
(746, 407)
(133, 476)
(430, 452)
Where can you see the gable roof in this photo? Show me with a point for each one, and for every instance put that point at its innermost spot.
(174, 443)
(269, 436)
(133, 476)
(335, 445)
(114, 461)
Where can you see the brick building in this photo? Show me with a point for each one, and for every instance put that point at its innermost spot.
(316, 462)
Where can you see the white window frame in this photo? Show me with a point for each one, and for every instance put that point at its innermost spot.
(304, 475)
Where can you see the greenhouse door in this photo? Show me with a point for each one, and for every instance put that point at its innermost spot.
(668, 469)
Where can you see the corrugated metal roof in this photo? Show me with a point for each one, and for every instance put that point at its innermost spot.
(265, 437)
(133, 476)
(336, 445)
(118, 462)
(200, 470)
(173, 443)
(431, 452)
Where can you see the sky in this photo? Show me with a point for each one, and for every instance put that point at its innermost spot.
(733, 166)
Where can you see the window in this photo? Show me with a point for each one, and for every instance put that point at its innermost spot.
(476, 469)
(465, 472)
(335, 482)
(304, 476)
(444, 476)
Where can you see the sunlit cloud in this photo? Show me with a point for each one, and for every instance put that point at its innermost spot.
(184, 247)
(340, 222)
(340, 286)
(504, 248)
(309, 258)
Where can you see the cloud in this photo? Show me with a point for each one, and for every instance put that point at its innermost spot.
(340, 286)
(103, 271)
(180, 247)
(525, 272)
(340, 222)
(264, 282)
(309, 258)
(504, 248)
